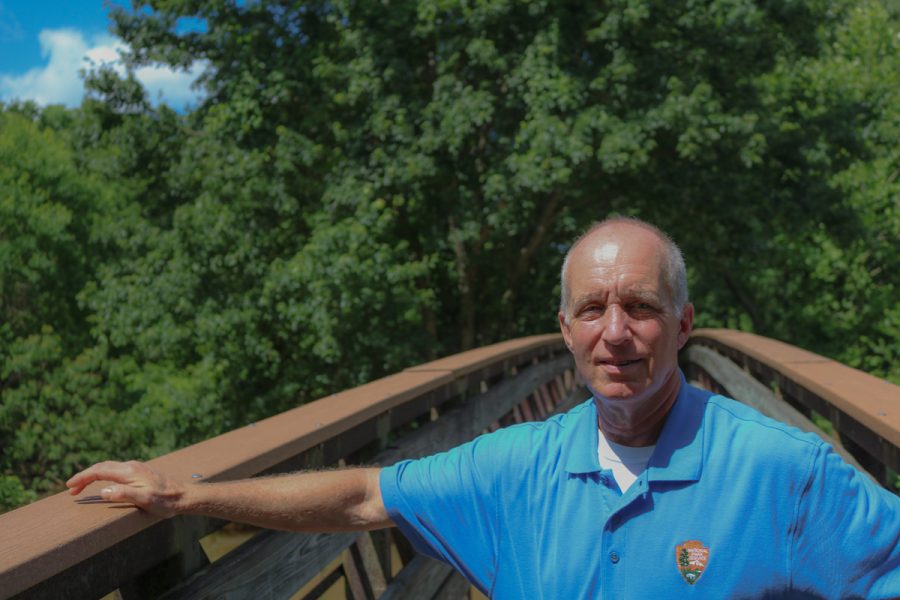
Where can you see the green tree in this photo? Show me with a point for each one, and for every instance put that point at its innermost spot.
(364, 189)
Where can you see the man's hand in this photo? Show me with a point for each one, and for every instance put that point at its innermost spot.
(132, 482)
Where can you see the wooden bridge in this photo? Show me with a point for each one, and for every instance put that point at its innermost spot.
(63, 547)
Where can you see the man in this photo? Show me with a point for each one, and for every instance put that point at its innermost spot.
(651, 489)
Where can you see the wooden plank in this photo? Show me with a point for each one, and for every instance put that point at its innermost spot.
(518, 417)
(153, 582)
(354, 577)
(466, 422)
(273, 565)
(455, 587)
(575, 396)
(46, 538)
(863, 408)
(545, 398)
(323, 586)
(371, 564)
(472, 360)
(873, 402)
(404, 548)
(525, 407)
(122, 563)
(451, 429)
(741, 386)
(422, 578)
(539, 408)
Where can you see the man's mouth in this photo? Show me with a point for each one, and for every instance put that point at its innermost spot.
(620, 363)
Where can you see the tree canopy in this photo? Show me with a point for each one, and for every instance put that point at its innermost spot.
(369, 185)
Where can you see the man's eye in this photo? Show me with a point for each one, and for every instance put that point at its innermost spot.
(642, 307)
(593, 309)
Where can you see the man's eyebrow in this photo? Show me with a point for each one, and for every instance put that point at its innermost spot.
(644, 295)
(592, 297)
(635, 294)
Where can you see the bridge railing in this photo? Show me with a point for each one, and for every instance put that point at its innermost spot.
(791, 384)
(63, 547)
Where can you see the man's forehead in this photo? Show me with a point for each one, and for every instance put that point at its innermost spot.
(638, 292)
(606, 251)
(617, 240)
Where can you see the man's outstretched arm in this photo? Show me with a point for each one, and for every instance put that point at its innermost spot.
(341, 500)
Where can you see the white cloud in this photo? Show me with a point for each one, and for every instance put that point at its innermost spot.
(66, 52)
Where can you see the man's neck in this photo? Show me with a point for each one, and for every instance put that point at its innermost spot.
(639, 424)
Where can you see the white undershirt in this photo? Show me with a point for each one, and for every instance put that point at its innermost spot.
(625, 462)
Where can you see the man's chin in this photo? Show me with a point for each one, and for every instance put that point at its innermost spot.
(618, 392)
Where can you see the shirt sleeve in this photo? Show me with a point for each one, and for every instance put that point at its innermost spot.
(446, 505)
(847, 538)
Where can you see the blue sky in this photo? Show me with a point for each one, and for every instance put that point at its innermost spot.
(43, 43)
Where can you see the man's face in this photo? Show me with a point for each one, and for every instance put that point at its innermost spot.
(622, 328)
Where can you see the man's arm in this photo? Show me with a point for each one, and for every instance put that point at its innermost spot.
(341, 500)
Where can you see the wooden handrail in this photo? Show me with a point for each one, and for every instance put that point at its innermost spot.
(864, 410)
(61, 537)
(67, 547)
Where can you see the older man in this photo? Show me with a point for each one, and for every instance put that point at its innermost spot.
(650, 489)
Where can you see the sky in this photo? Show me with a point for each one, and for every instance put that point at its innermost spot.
(44, 43)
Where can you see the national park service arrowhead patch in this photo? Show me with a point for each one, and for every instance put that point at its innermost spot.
(691, 557)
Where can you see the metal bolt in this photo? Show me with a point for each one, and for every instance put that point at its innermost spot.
(196, 476)
(881, 413)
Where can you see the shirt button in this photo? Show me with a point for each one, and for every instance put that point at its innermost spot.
(614, 557)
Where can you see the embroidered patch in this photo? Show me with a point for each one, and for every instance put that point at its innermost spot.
(691, 558)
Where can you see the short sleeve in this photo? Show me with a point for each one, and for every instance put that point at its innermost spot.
(446, 505)
(847, 537)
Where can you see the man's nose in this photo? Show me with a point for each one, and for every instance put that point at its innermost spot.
(617, 330)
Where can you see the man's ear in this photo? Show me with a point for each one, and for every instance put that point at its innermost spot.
(685, 325)
(564, 328)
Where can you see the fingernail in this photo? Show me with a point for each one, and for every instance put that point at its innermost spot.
(106, 490)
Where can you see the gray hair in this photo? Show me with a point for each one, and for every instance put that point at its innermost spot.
(673, 269)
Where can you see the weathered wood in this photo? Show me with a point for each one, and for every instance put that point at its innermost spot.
(354, 577)
(517, 415)
(863, 409)
(404, 547)
(468, 421)
(370, 564)
(525, 407)
(271, 565)
(451, 429)
(57, 548)
(381, 544)
(59, 540)
(153, 582)
(871, 406)
(109, 568)
(574, 396)
(421, 578)
(741, 386)
(455, 587)
(324, 585)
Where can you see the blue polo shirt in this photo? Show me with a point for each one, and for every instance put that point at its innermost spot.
(732, 505)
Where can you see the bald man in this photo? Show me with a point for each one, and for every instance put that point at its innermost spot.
(649, 489)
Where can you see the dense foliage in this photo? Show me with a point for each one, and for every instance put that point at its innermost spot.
(365, 188)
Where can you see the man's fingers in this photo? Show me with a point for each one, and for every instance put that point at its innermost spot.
(132, 482)
(117, 472)
(123, 493)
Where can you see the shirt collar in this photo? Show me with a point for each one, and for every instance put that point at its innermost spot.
(679, 450)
